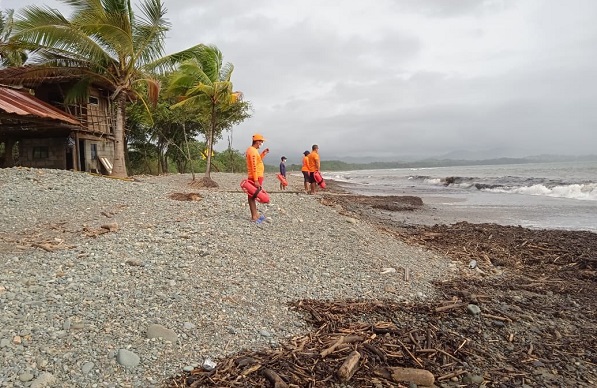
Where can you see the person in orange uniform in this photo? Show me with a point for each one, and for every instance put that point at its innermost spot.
(305, 171)
(255, 171)
(314, 165)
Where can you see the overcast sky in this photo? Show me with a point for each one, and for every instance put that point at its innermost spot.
(403, 78)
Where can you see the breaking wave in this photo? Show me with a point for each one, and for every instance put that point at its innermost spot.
(587, 192)
(515, 185)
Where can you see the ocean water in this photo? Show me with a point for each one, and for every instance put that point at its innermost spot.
(539, 195)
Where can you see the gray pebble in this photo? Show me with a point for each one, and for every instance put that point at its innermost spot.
(87, 367)
(473, 309)
(24, 377)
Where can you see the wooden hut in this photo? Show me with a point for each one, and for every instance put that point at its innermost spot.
(38, 128)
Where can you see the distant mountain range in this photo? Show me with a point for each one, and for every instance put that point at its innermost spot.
(492, 154)
(451, 159)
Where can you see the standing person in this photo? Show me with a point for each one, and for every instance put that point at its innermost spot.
(255, 171)
(305, 171)
(283, 172)
(314, 165)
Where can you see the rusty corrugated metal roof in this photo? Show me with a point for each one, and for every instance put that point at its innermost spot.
(24, 104)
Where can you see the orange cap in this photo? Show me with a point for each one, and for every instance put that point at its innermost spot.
(257, 137)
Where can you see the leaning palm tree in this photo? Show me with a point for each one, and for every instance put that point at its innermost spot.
(204, 82)
(104, 41)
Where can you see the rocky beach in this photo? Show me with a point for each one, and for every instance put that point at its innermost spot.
(157, 281)
(124, 283)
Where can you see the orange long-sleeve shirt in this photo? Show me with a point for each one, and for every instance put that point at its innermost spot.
(255, 167)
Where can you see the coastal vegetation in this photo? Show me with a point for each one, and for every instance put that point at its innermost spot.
(109, 44)
(204, 83)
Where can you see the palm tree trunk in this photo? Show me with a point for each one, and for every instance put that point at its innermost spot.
(184, 131)
(119, 165)
(210, 140)
(230, 153)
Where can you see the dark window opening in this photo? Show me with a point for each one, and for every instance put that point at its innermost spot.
(93, 100)
(93, 151)
(56, 98)
(41, 152)
(82, 155)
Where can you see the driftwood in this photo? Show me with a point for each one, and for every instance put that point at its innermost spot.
(349, 367)
(449, 307)
(412, 375)
(46, 246)
(111, 227)
(186, 196)
(274, 378)
(342, 340)
(513, 342)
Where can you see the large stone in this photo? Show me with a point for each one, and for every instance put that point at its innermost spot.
(159, 331)
(127, 358)
(473, 309)
(44, 380)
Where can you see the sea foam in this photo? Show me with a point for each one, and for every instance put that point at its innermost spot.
(587, 192)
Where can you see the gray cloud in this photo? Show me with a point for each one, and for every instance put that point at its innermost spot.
(404, 78)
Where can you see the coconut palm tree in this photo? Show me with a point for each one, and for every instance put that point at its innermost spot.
(103, 41)
(204, 82)
(11, 54)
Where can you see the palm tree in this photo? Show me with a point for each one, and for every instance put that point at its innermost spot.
(11, 54)
(204, 82)
(104, 42)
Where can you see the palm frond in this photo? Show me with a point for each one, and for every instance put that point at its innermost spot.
(79, 92)
(51, 32)
(12, 51)
(152, 88)
(196, 101)
(171, 61)
(149, 31)
(211, 58)
(226, 72)
(200, 89)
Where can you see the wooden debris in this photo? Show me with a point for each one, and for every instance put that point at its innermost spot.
(112, 227)
(48, 247)
(450, 375)
(384, 327)
(349, 367)
(186, 196)
(329, 350)
(449, 307)
(339, 342)
(503, 319)
(412, 375)
(535, 287)
(274, 378)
